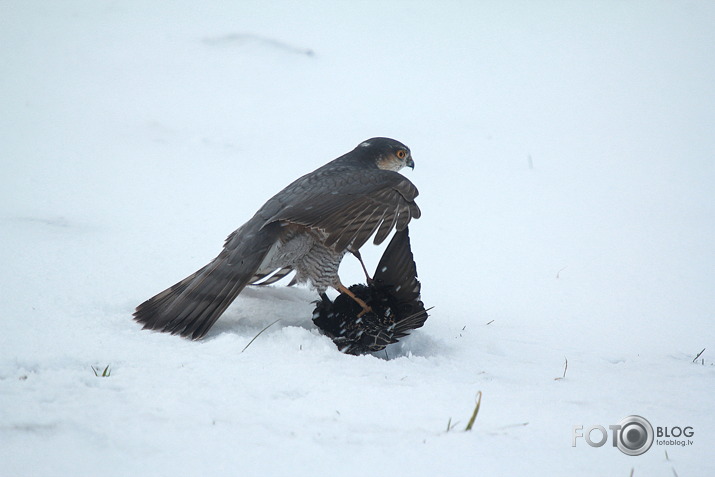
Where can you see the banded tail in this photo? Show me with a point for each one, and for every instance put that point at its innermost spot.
(190, 307)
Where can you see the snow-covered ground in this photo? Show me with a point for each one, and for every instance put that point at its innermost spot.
(564, 154)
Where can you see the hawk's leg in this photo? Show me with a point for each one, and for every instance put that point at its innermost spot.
(364, 269)
(365, 308)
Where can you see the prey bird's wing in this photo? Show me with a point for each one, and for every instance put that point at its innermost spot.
(397, 271)
(348, 205)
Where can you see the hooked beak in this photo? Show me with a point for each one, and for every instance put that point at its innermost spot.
(410, 163)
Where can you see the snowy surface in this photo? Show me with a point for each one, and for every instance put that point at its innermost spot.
(564, 154)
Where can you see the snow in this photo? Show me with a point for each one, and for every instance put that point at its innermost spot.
(564, 156)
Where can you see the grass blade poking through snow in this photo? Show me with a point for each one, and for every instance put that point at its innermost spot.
(566, 366)
(476, 411)
(104, 374)
(259, 334)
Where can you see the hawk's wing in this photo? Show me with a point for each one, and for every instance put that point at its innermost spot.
(347, 204)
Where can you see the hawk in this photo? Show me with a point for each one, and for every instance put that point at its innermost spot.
(307, 227)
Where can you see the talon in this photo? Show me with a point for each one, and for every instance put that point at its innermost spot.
(365, 307)
(365, 310)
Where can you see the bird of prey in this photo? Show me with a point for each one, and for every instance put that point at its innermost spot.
(393, 294)
(307, 227)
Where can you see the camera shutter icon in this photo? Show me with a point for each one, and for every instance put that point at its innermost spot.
(635, 436)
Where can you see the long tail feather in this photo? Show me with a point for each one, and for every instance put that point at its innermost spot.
(191, 307)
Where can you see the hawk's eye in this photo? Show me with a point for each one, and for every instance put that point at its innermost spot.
(401, 154)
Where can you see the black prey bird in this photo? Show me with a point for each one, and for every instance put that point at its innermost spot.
(393, 295)
(307, 227)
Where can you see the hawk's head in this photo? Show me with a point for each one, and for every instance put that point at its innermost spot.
(387, 153)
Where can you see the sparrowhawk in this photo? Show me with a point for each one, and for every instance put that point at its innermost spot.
(307, 227)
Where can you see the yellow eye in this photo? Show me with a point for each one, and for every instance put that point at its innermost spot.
(401, 154)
